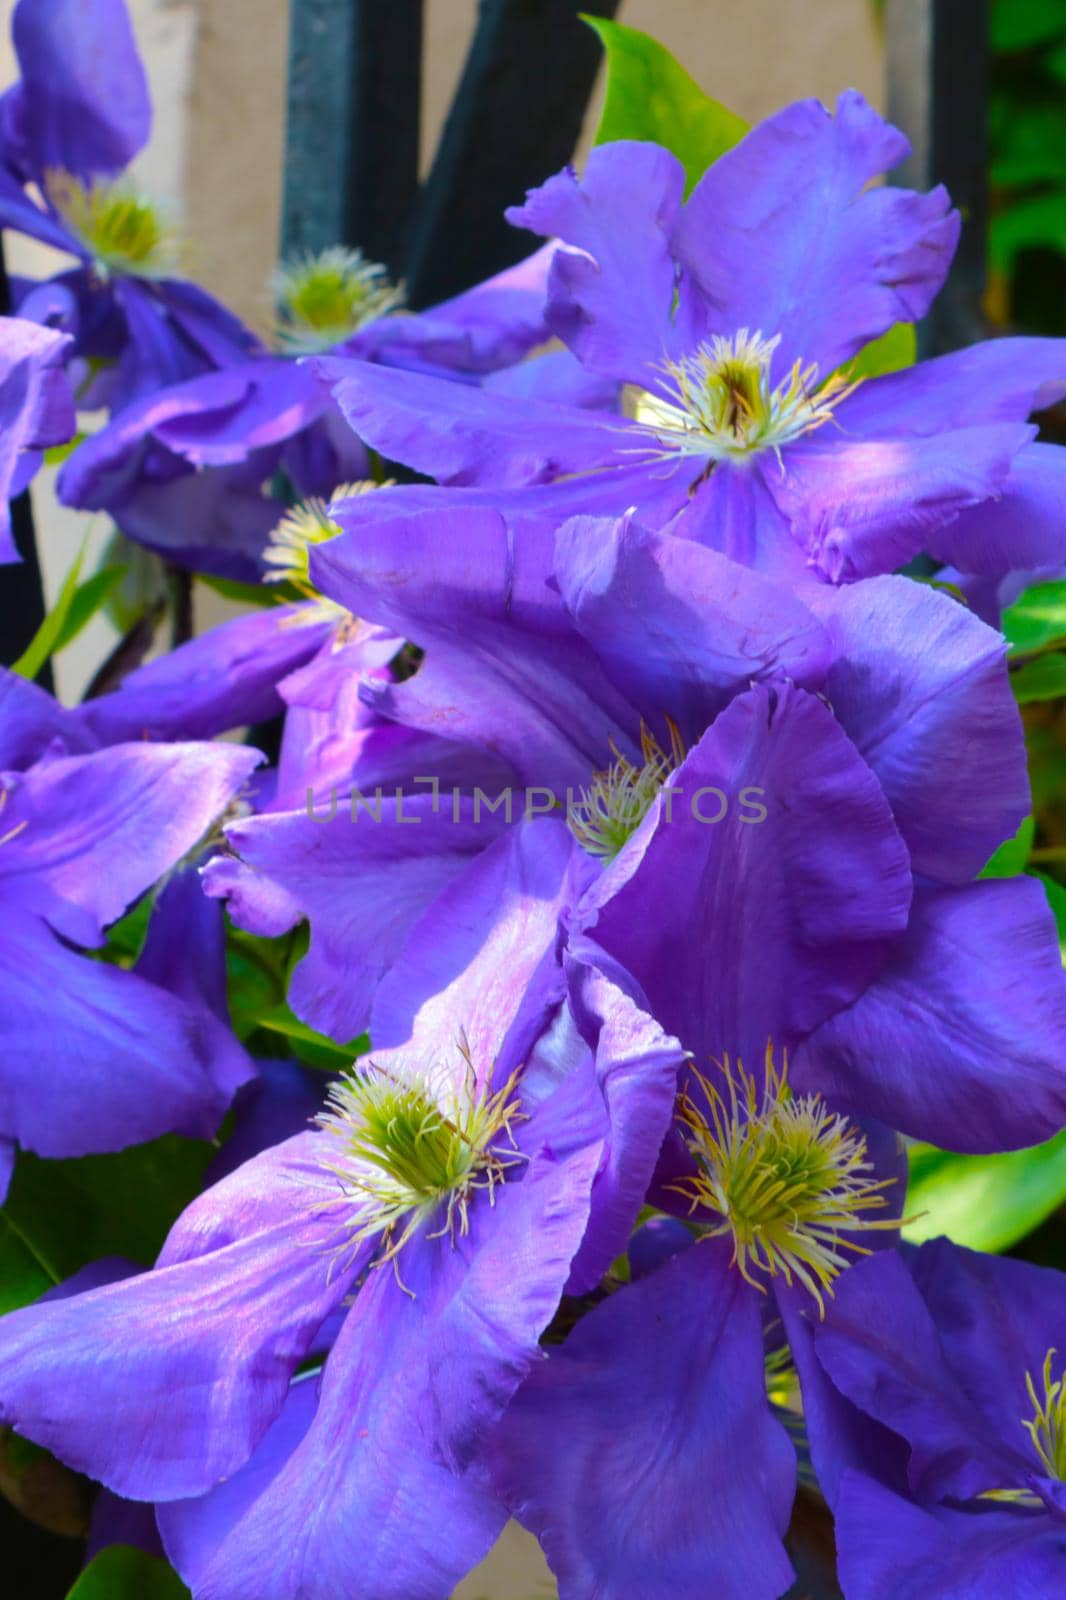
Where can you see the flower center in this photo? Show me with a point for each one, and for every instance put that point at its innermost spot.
(611, 809)
(786, 1177)
(125, 234)
(323, 299)
(719, 402)
(1048, 1426)
(287, 553)
(407, 1150)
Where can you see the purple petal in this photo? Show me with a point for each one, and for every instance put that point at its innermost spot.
(679, 628)
(1000, 380)
(921, 687)
(36, 408)
(482, 959)
(31, 720)
(636, 1070)
(961, 1039)
(889, 1546)
(610, 298)
(189, 1363)
(783, 235)
(865, 508)
(882, 1350)
(84, 97)
(278, 1103)
(659, 1393)
(97, 830)
(462, 435)
(361, 883)
(996, 1320)
(481, 330)
(148, 1062)
(226, 678)
(747, 929)
(505, 669)
(559, 376)
(1021, 528)
(364, 1506)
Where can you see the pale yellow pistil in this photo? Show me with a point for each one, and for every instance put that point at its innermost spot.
(125, 234)
(287, 554)
(610, 810)
(323, 299)
(785, 1177)
(719, 402)
(411, 1152)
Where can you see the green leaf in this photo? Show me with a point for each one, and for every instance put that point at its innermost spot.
(89, 598)
(46, 640)
(895, 349)
(1020, 24)
(314, 1049)
(1042, 679)
(56, 454)
(122, 1573)
(1037, 618)
(984, 1202)
(1009, 860)
(23, 1275)
(650, 96)
(68, 1213)
(1037, 222)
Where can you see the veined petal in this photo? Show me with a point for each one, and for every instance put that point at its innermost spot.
(643, 1453)
(462, 435)
(96, 830)
(1019, 529)
(999, 380)
(84, 104)
(96, 1058)
(921, 687)
(610, 298)
(777, 914)
(680, 628)
(189, 1363)
(783, 234)
(887, 1545)
(961, 1039)
(865, 508)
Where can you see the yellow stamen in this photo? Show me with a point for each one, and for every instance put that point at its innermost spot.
(718, 402)
(323, 299)
(125, 234)
(414, 1150)
(787, 1178)
(618, 799)
(1048, 1426)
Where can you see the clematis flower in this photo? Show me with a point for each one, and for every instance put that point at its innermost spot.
(757, 935)
(36, 410)
(459, 1183)
(733, 318)
(956, 1354)
(183, 469)
(597, 668)
(69, 129)
(96, 1057)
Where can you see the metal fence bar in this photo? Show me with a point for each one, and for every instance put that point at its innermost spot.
(515, 120)
(937, 62)
(22, 605)
(352, 129)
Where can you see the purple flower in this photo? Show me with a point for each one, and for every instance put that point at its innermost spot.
(956, 1354)
(733, 317)
(70, 127)
(97, 1057)
(595, 673)
(36, 410)
(460, 1182)
(271, 415)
